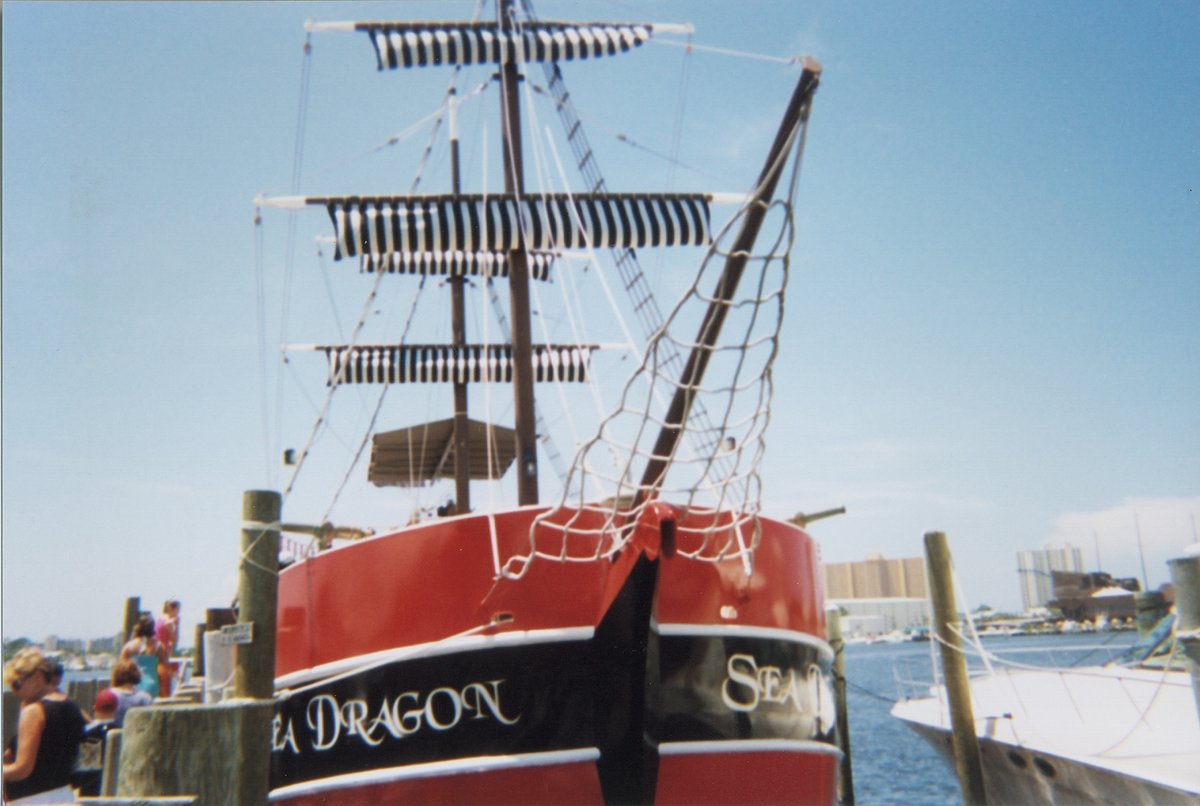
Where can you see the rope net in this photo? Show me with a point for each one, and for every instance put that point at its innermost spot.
(712, 477)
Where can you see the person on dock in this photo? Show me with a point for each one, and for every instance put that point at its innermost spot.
(56, 679)
(126, 677)
(166, 626)
(89, 770)
(39, 759)
(166, 632)
(145, 650)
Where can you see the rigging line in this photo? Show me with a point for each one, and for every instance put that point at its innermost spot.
(742, 54)
(600, 275)
(290, 253)
(329, 295)
(260, 307)
(408, 323)
(362, 445)
(627, 140)
(677, 134)
(359, 325)
(411, 130)
(541, 161)
(641, 295)
(412, 311)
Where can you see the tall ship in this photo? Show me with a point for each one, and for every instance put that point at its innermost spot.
(587, 604)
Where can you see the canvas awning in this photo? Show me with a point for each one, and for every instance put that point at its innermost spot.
(424, 453)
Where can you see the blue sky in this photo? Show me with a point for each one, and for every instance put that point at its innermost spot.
(992, 324)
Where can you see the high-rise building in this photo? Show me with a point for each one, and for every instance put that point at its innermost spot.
(1035, 570)
(877, 596)
(876, 578)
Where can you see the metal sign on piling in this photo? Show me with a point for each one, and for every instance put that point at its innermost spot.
(967, 761)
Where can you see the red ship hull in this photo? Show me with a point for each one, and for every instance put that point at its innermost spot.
(409, 669)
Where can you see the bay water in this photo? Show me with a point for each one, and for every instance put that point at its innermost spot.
(892, 765)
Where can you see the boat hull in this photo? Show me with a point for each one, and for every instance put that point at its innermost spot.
(407, 671)
(1101, 735)
(1019, 776)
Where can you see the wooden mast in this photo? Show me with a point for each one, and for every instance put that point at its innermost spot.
(458, 326)
(518, 279)
(735, 264)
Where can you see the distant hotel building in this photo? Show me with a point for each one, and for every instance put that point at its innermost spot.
(878, 595)
(876, 578)
(1035, 569)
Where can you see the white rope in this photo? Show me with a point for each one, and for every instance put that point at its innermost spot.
(741, 54)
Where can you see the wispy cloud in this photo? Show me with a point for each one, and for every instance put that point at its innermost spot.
(1164, 527)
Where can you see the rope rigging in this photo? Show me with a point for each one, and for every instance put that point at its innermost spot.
(723, 457)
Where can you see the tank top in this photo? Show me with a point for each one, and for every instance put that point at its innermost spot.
(148, 664)
(56, 751)
(127, 700)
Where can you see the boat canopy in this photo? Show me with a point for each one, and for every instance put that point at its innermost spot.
(424, 453)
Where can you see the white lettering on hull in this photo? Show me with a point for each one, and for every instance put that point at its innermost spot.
(330, 720)
(747, 686)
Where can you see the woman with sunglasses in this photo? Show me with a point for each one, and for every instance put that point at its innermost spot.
(37, 769)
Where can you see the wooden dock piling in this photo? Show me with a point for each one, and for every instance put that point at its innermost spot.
(133, 609)
(198, 651)
(846, 783)
(220, 754)
(967, 761)
(258, 589)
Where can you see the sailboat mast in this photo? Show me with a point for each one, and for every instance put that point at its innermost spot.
(518, 279)
(458, 327)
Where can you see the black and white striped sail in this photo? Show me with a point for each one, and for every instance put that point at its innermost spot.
(454, 263)
(380, 225)
(444, 363)
(418, 44)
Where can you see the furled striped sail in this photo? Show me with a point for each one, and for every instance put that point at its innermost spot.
(453, 263)
(473, 222)
(443, 363)
(417, 44)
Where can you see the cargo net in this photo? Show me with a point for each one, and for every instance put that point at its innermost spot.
(711, 477)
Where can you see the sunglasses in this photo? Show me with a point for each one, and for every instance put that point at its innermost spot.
(16, 684)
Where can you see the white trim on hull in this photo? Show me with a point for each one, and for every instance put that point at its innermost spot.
(746, 631)
(458, 766)
(721, 747)
(448, 646)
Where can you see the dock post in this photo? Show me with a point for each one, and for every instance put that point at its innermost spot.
(967, 761)
(258, 588)
(112, 763)
(846, 784)
(198, 651)
(1185, 574)
(133, 609)
(217, 754)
